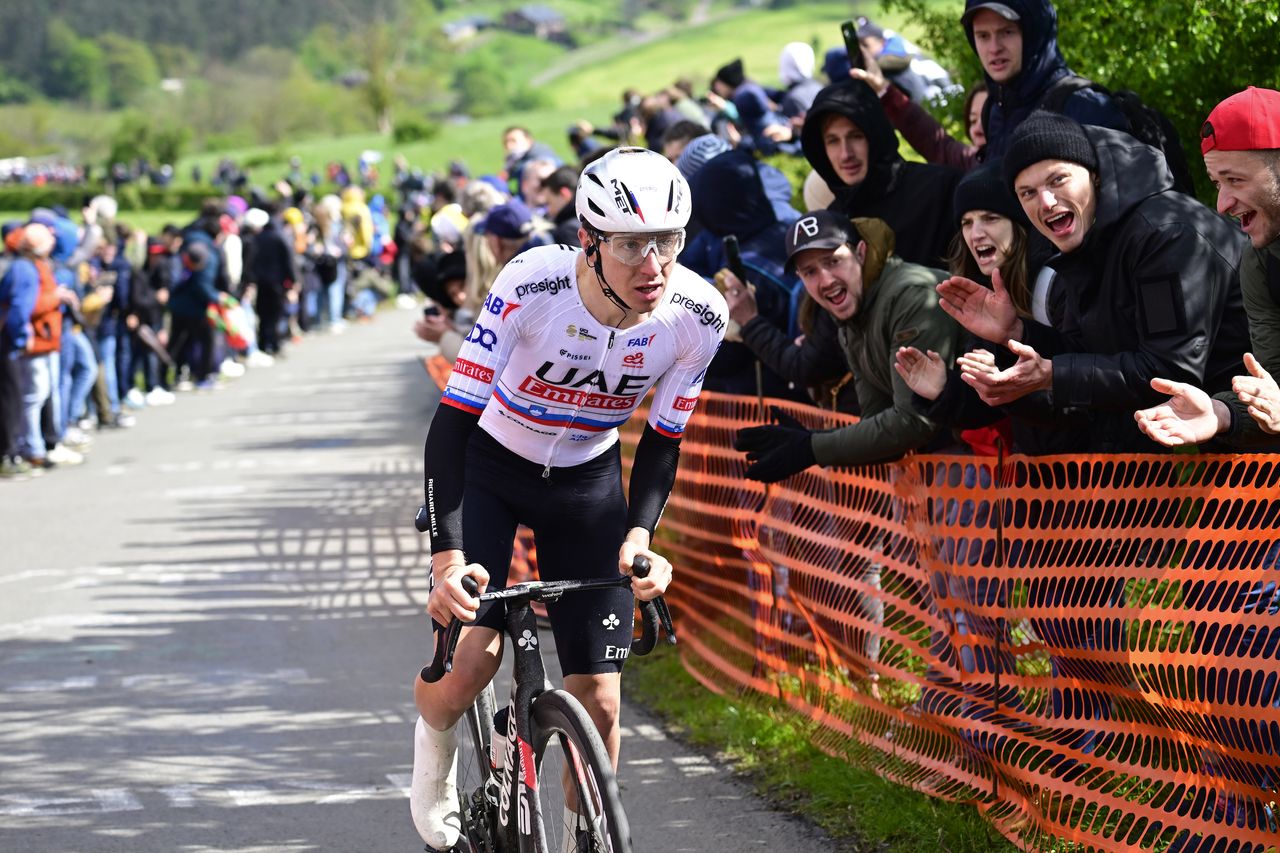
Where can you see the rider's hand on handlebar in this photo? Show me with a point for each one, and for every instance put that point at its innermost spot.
(448, 598)
(648, 588)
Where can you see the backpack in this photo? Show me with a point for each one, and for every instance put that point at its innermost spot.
(1146, 123)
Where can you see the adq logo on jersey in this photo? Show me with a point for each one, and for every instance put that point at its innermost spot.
(483, 337)
(635, 359)
(499, 307)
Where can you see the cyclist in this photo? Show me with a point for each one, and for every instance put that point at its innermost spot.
(567, 345)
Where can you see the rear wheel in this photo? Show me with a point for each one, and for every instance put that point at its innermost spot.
(474, 795)
(574, 770)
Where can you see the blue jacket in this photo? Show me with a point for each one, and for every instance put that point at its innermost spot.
(193, 294)
(1042, 66)
(19, 288)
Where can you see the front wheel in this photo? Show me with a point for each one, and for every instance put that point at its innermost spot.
(474, 773)
(578, 797)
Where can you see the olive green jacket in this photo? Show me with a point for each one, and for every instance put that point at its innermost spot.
(1264, 332)
(899, 309)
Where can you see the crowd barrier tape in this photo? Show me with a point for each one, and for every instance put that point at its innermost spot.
(1083, 647)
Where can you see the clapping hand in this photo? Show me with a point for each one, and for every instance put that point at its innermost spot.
(925, 374)
(1000, 387)
(985, 312)
(1260, 393)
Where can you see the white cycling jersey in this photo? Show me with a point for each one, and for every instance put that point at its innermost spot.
(553, 384)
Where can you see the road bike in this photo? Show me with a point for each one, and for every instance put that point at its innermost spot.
(535, 777)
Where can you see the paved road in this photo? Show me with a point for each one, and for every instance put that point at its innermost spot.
(207, 632)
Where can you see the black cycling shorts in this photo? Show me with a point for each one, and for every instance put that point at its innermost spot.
(578, 516)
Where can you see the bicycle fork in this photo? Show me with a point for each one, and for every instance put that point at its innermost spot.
(519, 778)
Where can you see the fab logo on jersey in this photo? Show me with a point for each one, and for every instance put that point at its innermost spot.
(499, 307)
(641, 342)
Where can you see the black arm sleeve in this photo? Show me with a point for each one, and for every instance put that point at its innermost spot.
(817, 359)
(653, 473)
(444, 464)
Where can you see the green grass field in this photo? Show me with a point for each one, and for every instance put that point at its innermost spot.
(591, 92)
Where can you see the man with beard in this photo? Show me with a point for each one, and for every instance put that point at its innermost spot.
(1241, 146)
(879, 303)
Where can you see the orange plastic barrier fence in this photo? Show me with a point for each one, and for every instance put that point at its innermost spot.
(1084, 647)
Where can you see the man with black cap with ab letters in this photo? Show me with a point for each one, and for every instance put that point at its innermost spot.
(879, 303)
(1149, 277)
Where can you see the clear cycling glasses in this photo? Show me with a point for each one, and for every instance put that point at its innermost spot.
(631, 249)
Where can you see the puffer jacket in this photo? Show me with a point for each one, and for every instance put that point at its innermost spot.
(1154, 290)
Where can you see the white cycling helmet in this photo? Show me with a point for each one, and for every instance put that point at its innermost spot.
(633, 190)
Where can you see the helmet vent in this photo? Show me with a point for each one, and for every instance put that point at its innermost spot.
(593, 176)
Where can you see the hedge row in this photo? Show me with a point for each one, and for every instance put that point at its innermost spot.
(129, 197)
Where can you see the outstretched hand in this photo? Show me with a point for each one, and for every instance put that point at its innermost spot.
(985, 312)
(1189, 416)
(1260, 393)
(776, 452)
(925, 374)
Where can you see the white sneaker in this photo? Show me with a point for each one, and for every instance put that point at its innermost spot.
(433, 794)
(157, 396)
(231, 369)
(258, 358)
(134, 399)
(62, 455)
(76, 438)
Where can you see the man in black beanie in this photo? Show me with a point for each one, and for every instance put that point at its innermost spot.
(1150, 281)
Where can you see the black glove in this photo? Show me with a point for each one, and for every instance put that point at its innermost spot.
(776, 451)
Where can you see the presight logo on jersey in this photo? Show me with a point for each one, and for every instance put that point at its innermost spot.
(706, 315)
(495, 305)
(635, 359)
(641, 342)
(548, 285)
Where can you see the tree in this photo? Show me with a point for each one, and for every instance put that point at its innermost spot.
(1216, 49)
(74, 67)
(131, 69)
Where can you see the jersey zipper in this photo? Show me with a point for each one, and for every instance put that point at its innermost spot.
(546, 470)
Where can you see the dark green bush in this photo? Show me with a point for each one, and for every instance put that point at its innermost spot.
(409, 130)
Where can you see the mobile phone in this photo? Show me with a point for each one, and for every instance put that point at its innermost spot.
(431, 311)
(733, 259)
(851, 44)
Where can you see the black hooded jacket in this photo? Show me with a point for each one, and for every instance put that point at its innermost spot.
(1154, 290)
(1042, 66)
(914, 198)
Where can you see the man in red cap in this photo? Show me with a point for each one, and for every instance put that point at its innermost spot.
(1241, 145)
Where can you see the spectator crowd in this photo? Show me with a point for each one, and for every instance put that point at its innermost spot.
(1045, 285)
